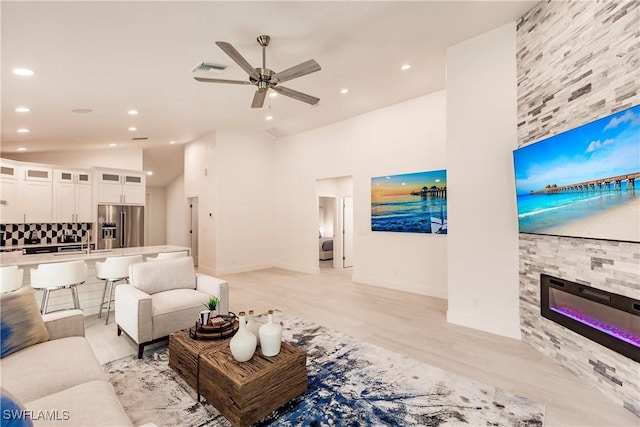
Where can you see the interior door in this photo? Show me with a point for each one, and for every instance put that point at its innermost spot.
(193, 229)
(347, 232)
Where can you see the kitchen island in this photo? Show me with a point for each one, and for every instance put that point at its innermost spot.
(89, 293)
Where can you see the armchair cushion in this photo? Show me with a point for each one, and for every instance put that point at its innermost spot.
(176, 307)
(150, 278)
(21, 324)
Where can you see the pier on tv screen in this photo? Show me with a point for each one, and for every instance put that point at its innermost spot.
(584, 182)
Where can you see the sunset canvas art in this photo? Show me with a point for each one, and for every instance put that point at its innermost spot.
(410, 203)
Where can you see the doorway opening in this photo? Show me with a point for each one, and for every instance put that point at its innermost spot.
(193, 229)
(335, 222)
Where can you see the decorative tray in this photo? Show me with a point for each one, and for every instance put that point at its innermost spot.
(220, 327)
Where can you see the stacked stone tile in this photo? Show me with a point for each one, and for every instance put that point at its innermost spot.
(578, 62)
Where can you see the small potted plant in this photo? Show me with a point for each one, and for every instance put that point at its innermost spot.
(212, 305)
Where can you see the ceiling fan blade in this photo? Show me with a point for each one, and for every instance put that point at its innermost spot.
(258, 98)
(296, 95)
(307, 67)
(211, 80)
(239, 59)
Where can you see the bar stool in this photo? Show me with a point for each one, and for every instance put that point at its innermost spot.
(167, 255)
(57, 276)
(11, 277)
(112, 270)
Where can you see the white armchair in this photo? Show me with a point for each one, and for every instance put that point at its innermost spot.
(163, 297)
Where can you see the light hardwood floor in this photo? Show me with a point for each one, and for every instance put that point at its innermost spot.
(412, 325)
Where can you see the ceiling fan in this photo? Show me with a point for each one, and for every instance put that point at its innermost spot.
(265, 78)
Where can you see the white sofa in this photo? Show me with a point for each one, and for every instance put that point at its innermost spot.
(163, 297)
(60, 380)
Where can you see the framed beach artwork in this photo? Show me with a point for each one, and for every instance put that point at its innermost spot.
(584, 182)
(410, 203)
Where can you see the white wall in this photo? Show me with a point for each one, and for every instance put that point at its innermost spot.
(115, 158)
(244, 201)
(177, 214)
(403, 138)
(231, 173)
(156, 210)
(483, 228)
(200, 182)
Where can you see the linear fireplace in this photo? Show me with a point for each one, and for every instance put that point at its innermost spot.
(609, 319)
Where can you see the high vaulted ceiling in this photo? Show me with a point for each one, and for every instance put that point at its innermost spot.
(110, 57)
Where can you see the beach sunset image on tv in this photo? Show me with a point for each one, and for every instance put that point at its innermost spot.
(584, 182)
(410, 203)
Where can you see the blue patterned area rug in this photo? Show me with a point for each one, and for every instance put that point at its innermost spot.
(351, 383)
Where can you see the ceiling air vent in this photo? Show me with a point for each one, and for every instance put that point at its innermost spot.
(276, 132)
(209, 67)
(142, 138)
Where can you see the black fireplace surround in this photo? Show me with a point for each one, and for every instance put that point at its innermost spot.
(609, 319)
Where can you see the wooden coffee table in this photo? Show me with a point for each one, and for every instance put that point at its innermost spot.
(185, 353)
(248, 391)
(244, 392)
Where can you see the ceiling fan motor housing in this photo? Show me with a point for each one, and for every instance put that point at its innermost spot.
(265, 78)
(263, 40)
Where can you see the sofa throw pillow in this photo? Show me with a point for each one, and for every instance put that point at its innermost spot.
(163, 275)
(21, 324)
(13, 412)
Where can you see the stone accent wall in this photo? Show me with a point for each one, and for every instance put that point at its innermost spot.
(578, 61)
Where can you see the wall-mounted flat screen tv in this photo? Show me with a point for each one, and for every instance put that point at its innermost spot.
(584, 182)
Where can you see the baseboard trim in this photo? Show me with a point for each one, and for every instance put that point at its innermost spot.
(414, 288)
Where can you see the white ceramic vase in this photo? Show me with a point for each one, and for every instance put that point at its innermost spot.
(243, 344)
(270, 336)
(253, 326)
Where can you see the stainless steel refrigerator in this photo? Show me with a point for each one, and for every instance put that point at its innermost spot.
(120, 226)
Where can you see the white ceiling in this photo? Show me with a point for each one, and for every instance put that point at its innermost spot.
(114, 56)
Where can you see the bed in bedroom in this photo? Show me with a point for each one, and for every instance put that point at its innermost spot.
(326, 248)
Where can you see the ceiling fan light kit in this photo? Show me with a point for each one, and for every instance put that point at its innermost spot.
(264, 78)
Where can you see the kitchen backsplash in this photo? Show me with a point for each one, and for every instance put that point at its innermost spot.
(18, 234)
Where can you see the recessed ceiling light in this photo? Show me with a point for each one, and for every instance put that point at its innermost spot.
(21, 149)
(23, 130)
(269, 118)
(172, 142)
(405, 67)
(132, 112)
(273, 94)
(149, 173)
(132, 129)
(22, 72)
(113, 144)
(345, 90)
(82, 110)
(22, 109)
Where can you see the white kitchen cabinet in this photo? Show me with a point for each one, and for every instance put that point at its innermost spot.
(10, 201)
(72, 196)
(37, 199)
(10, 193)
(26, 193)
(126, 188)
(37, 194)
(72, 176)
